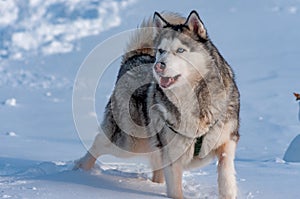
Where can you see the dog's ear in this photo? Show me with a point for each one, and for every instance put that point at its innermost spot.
(196, 25)
(159, 21)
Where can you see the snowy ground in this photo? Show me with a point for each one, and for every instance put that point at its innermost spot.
(42, 46)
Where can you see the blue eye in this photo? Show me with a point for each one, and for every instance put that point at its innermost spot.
(180, 50)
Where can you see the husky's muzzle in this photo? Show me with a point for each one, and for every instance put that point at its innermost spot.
(164, 81)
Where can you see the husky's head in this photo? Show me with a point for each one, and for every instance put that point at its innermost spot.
(181, 56)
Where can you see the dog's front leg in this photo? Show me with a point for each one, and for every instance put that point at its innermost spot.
(173, 176)
(226, 171)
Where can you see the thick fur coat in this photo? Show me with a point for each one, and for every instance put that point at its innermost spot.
(173, 88)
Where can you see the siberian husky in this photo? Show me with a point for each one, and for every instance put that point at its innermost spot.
(176, 101)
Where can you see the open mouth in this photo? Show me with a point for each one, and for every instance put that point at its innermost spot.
(166, 82)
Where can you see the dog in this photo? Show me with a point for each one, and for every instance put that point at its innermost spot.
(175, 101)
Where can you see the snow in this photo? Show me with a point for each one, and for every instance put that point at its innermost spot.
(54, 26)
(11, 133)
(9, 12)
(42, 45)
(10, 102)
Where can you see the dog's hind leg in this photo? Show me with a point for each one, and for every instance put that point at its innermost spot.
(226, 170)
(158, 176)
(156, 163)
(88, 161)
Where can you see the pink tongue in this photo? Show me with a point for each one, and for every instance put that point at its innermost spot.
(165, 81)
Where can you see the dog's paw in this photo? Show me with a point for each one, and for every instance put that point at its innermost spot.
(77, 165)
(86, 163)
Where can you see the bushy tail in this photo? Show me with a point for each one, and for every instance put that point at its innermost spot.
(142, 40)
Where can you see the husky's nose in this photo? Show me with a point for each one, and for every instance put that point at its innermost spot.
(160, 67)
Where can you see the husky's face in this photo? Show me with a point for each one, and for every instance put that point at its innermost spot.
(181, 57)
(178, 64)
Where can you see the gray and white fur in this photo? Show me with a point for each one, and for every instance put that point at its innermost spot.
(173, 88)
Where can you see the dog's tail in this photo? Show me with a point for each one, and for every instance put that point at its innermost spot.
(141, 41)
